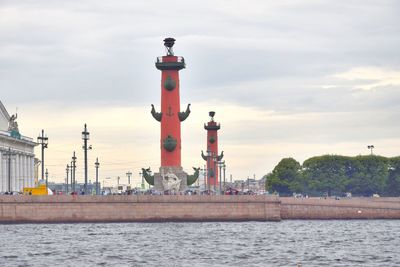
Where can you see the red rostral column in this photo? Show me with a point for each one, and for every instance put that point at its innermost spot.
(170, 115)
(212, 156)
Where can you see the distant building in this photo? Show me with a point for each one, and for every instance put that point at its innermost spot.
(79, 187)
(17, 158)
(249, 184)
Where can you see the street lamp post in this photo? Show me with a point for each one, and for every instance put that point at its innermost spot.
(47, 178)
(224, 168)
(215, 173)
(73, 178)
(67, 185)
(85, 137)
(371, 147)
(72, 181)
(129, 174)
(141, 176)
(97, 164)
(208, 169)
(219, 173)
(43, 141)
(205, 178)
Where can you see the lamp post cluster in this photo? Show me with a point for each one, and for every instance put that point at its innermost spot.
(213, 158)
(70, 170)
(70, 180)
(222, 166)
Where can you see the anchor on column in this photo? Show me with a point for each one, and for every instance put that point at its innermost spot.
(169, 113)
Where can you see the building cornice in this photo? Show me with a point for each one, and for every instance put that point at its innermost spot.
(24, 140)
(4, 111)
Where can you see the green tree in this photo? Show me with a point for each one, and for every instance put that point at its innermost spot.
(327, 174)
(369, 175)
(286, 177)
(334, 174)
(393, 183)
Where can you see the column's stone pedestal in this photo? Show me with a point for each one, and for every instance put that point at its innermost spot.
(170, 179)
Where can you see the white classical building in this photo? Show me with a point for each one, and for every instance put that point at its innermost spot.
(17, 157)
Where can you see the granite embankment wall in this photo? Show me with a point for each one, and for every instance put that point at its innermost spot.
(57, 209)
(354, 208)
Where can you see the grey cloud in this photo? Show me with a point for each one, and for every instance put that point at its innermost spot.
(101, 52)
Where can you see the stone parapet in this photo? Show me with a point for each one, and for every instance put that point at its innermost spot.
(149, 208)
(143, 208)
(354, 208)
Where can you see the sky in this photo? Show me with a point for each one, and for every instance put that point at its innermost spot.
(285, 78)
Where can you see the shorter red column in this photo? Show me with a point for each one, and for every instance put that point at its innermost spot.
(211, 157)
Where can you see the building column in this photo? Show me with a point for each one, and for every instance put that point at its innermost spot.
(20, 173)
(15, 172)
(12, 173)
(1, 172)
(23, 168)
(5, 175)
(32, 172)
(28, 171)
(8, 183)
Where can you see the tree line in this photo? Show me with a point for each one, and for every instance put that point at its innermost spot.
(336, 175)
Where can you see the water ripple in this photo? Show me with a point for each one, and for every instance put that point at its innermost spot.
(287, 243)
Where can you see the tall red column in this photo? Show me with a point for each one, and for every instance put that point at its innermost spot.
(212, 156)
(170, 115)
(171, 176)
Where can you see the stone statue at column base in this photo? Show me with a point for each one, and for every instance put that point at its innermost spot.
(172, 179)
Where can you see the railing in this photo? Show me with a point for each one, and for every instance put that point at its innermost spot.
(178, 59)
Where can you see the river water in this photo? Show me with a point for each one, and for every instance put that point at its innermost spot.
(286, 243)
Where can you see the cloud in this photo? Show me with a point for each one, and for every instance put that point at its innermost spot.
(371, 77)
